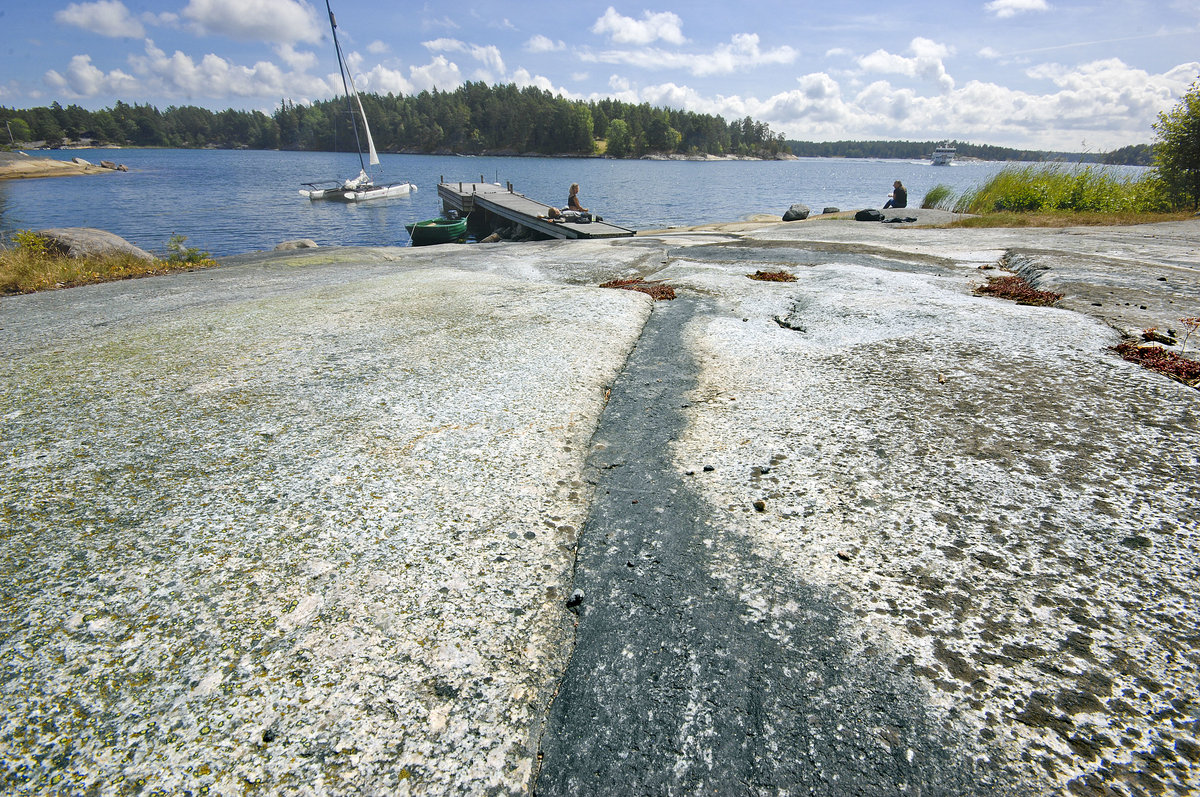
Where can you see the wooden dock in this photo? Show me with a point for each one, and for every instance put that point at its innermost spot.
(502, 202)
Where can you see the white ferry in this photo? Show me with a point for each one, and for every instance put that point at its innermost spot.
(943, 155)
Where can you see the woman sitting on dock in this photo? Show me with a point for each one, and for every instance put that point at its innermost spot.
(573, 200)
(574, 211)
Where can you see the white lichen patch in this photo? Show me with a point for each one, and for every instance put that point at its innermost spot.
(312, 543)
(1004, 508)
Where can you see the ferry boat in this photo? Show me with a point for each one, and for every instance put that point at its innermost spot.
(943, 155)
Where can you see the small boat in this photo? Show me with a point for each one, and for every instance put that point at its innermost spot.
(943, 155)
(441, 230)
(362, 187)
(355, 189)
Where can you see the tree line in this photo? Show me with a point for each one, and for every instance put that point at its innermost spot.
(1135, 155)
(477, 118)
(473, 119)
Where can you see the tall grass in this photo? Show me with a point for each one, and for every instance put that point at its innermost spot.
(1087, 189)
(940, 196)
(32, 264)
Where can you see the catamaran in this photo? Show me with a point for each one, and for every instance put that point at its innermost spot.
(362, 187)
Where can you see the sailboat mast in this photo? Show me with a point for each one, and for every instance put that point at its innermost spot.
(345, 84)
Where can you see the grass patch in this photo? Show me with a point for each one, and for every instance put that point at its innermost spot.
(1162, 361)
(1017, 289)
(32, 265)
(1088, 189)
(1063, 218)
(656, 290)
(773, 276)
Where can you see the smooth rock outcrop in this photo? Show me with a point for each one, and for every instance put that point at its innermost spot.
(299, 243)
(90, 242)
(309, 522)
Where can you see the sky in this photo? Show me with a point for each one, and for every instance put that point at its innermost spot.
(1041, 74)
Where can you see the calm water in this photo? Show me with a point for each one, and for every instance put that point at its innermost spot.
(227, 202)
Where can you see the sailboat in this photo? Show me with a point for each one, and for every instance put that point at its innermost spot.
(362, 187)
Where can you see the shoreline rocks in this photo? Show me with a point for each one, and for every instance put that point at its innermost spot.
(16, 166)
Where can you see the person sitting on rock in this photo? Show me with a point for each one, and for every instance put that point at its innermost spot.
(899, 196)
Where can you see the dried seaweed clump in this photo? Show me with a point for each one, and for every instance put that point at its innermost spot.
(655, 290)
(1016, 288)
(1156, 358)
(773, 276)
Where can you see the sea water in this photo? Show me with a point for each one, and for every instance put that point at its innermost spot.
(233, 201)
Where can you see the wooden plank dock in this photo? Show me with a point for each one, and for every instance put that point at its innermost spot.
(502, 202)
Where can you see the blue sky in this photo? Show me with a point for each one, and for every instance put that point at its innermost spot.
(1046, 74)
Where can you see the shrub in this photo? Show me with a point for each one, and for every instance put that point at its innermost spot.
(181, 255)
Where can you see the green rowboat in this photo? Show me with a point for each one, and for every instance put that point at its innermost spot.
(436, 231)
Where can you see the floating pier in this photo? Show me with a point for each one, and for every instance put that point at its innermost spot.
(488, 203)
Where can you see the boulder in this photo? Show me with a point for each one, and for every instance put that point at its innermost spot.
(868, 214)
(89, 242)
(80, 161)
(827, 211)
(299, 243)
(797, 212)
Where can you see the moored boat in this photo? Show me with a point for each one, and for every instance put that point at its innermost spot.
(441, 230)
(362, 187)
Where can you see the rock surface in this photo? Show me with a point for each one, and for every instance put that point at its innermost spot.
(20, 165)
(797, 212)
(90, 242)
(299, 243)
(307, 523)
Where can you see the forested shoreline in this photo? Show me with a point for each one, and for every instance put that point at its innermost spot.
(474, 119)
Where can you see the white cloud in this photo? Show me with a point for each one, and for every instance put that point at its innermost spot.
(742, 52)
(377, 47)
(1107, 102)
(1008, 8)
(542, 44)
(488, 55)
(926, 63)
(84, 79)
(990, 53)
(165, 19)
(284, 21)
(651, 27)
(179, 75)
(446, 23)
(439, 73)
(302, 60)
(105, 17)
(382, 80)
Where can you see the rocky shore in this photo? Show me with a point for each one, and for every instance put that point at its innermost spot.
(347, 521)
(18, 165)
